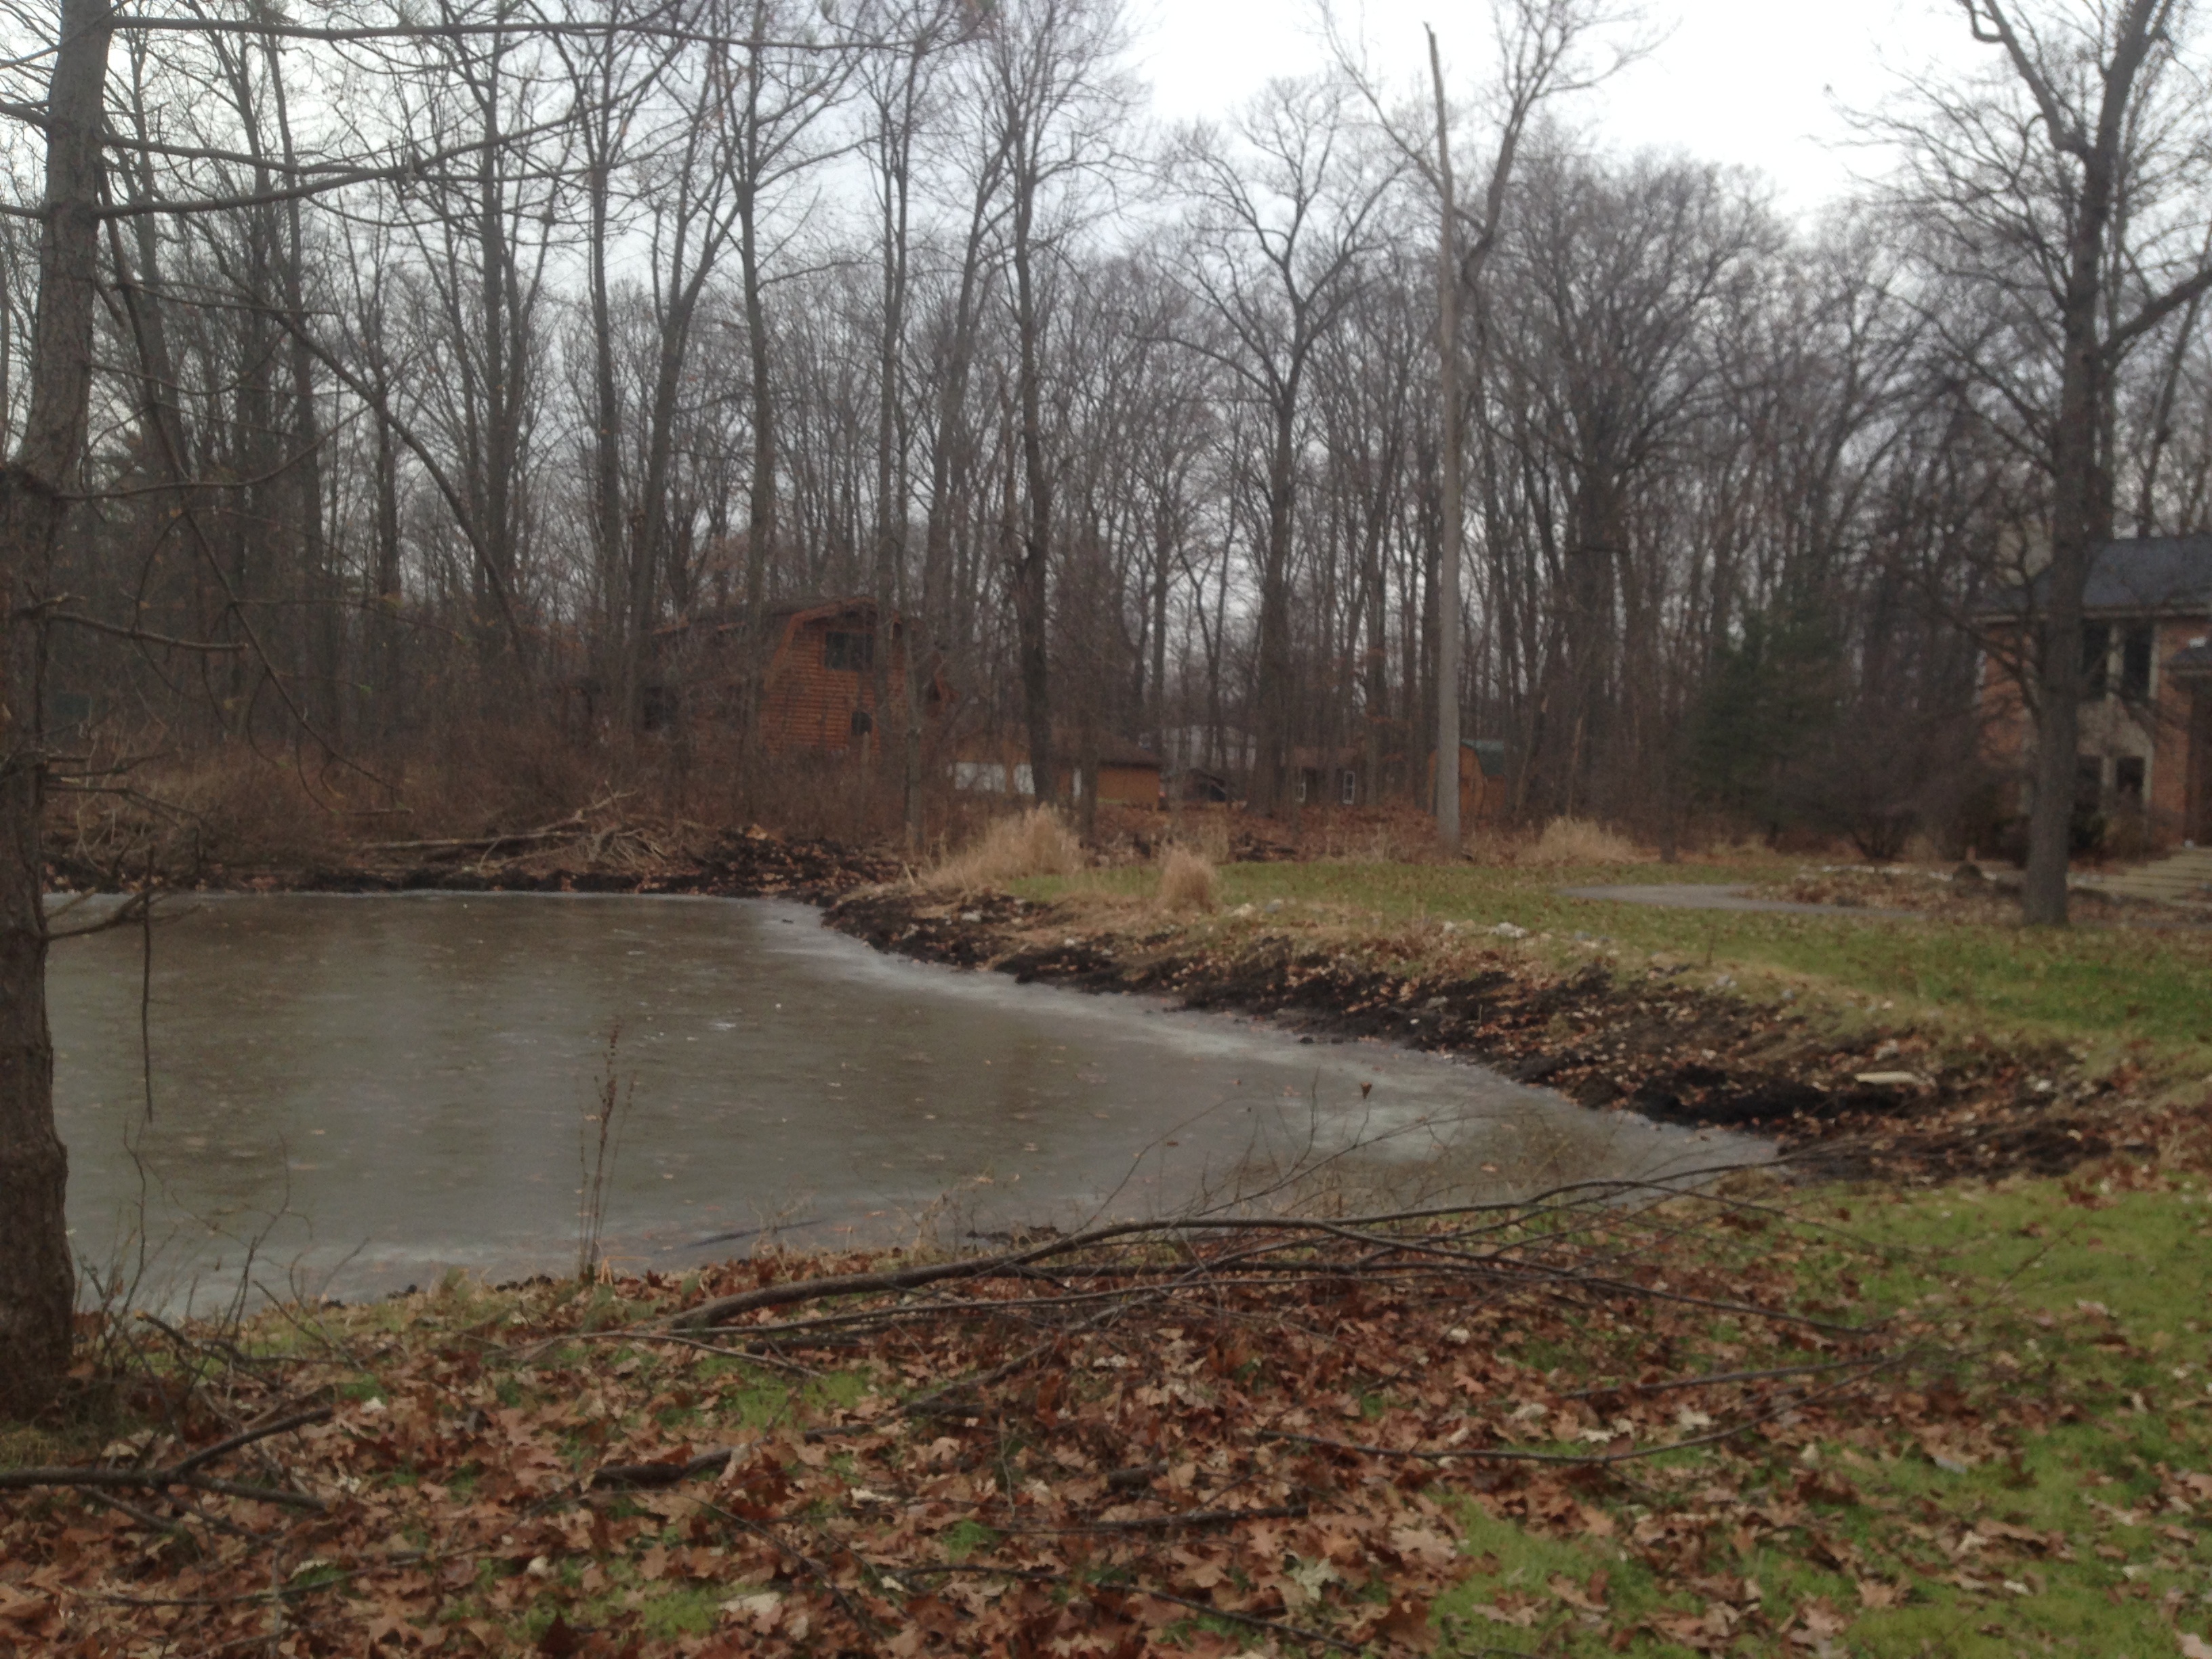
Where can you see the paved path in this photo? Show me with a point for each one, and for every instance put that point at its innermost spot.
(1690, 895)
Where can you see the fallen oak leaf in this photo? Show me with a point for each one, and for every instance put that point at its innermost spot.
(1583, 1601)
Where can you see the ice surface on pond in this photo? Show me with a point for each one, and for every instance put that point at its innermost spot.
(379, 1088)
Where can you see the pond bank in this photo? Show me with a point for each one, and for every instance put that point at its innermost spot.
(1659, 1042)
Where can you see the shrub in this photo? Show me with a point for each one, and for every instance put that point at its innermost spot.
(1037, 842)
(1579, 841)
(1188, 881)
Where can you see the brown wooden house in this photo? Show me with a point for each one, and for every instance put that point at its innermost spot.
(1484, 792)
(818, 691)
(1000, 765)
(1329, 777)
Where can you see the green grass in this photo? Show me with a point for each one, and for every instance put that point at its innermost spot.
(2100, 984)
(1997, 1278)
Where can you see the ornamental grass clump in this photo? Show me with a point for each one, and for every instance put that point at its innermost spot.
(1580, 841)
(1037, 842)
(1188, 881)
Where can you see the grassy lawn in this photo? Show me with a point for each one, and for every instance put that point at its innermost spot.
(2044, 1489)
(2108, 986)
(2033, 1475)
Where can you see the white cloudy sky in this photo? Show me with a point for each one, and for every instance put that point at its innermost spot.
(1755, 82)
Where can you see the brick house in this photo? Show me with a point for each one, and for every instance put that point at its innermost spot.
(2146, 739)
(819, 690)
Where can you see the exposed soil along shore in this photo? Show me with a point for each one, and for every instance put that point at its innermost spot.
(730, 864)
(1842, 1108)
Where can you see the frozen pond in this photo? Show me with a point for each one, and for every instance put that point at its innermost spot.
(376, 1089)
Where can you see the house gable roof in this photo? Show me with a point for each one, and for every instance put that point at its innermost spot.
(2170, 574)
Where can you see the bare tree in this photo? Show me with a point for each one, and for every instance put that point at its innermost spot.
(38, 1283)
(1542, 53)
(2064, 194)
(1055, 104)
(1287, 214)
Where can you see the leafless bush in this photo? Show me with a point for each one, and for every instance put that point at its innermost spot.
(599, 1143)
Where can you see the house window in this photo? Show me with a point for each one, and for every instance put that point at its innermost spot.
(863, 722)
(1350, 794)
(2129, 774)
(848, 653)
(2089, 780)
(2096, 659)
(2137, 641)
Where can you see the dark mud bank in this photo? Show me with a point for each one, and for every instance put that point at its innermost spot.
(1649, 1044)
(739, 864)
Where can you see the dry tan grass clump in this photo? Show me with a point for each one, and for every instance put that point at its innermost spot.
(1579, 841)
(1188, 881)
(1037, 842)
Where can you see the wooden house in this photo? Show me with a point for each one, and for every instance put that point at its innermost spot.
(1484, 792)
(1000, 765)
(818, 688)
(1329, 777)
(2146, 724)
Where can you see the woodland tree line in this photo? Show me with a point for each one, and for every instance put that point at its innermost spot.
(439, 372)
(372, 377)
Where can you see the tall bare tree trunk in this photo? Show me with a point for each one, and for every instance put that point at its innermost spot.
(38, 1287)
(1033, 564)
(1454, 538)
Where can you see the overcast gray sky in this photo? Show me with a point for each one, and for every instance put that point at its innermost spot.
(1754, 83)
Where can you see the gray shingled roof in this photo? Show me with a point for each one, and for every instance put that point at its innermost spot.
(2192, 659)
(2171, 573)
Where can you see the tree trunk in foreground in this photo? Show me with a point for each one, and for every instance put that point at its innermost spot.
(1448, 602)
(38, 1287)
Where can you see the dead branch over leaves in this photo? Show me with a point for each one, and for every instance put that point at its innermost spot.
(1194, 1437)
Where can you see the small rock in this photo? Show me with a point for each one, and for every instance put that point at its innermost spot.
(1890, 1079)
(1507, 930)
(971, 915)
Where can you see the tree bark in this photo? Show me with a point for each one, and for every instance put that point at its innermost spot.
(38, 1287)
(1033, 564)
(2081, 482)
(1454, 538)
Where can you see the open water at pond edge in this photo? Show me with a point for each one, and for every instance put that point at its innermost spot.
(373, 1090)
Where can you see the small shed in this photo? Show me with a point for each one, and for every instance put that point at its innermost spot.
(1195, 783)
(1127, 775)
(1329, 777)
(1483, 790)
